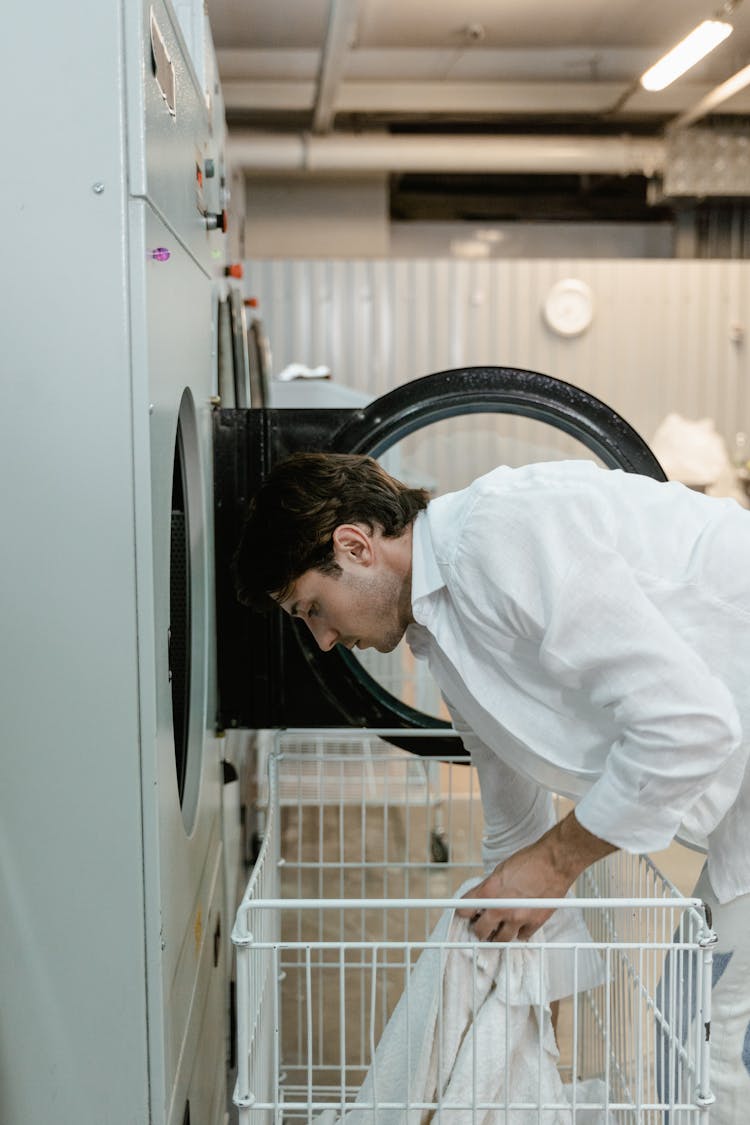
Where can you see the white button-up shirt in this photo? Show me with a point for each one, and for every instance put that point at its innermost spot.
(590, 631)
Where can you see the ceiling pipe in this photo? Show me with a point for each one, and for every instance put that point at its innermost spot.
(342, 153)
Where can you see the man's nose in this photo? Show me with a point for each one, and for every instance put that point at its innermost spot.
(326, 637)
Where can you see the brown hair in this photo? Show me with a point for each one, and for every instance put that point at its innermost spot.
(292, 518)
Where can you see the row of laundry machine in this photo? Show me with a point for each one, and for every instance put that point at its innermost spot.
(136, 425)
(115, 876)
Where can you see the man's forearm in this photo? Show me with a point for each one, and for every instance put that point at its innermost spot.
(546, 869)
(570, 848)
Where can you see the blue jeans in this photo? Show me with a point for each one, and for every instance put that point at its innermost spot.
(730, 1008)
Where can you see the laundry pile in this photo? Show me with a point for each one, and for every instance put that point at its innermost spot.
(469, 1038)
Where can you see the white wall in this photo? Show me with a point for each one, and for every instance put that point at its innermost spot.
(531, 240)
(316, 216)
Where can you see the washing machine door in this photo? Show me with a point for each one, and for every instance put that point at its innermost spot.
(439, 432)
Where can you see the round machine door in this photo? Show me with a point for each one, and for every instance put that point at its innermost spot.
(440, 433)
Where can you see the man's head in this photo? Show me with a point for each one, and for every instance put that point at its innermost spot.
(328, 537)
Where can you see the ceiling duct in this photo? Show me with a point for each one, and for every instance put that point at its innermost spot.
(689, 162)
(707, 162)
(350, 153)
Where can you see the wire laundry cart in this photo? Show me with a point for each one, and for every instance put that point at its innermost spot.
(351, 767)
(339, 934)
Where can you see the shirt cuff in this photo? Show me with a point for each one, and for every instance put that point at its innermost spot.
(613, 814)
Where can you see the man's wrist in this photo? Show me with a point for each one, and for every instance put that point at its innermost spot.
(572, 848)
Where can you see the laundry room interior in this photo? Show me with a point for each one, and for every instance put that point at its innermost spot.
(446, 241)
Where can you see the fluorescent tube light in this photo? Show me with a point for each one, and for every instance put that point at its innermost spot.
(691, 50)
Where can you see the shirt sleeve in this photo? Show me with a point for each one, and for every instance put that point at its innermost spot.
(678, 721)
(516, 810)
(598, 633)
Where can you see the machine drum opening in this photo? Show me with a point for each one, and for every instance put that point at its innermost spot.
(179, 616)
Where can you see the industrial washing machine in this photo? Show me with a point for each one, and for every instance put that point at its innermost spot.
(113, 945)
(271, 673)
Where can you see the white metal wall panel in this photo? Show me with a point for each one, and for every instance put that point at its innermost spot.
(663, 337)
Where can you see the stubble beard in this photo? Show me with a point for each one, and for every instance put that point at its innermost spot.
(392, 599)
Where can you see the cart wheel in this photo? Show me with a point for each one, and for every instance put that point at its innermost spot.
(438, 847)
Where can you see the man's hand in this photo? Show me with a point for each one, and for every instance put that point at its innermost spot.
(546, 869)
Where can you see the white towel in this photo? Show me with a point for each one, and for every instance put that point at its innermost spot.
(472, 1029)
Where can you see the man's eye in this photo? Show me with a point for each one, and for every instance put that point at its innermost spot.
(312, 611)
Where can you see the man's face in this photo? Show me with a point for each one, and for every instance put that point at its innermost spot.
(367, 605)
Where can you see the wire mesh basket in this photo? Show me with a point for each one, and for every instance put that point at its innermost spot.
(341, 959)
(351, 768)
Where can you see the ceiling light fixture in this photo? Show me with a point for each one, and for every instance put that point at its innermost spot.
(687, 53)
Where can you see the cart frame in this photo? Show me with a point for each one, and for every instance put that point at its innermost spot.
(642, 1033)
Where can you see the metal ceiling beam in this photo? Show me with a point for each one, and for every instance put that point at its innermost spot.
(387, 64)
(342, 25)
(269, 96)
(480, 99)
(714, 99)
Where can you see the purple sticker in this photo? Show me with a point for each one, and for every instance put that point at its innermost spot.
(161, 254)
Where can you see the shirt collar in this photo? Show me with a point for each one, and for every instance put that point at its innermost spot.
(426, 578)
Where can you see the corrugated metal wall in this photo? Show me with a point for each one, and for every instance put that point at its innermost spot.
(666, 336)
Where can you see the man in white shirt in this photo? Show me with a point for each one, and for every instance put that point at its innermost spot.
(590, 632)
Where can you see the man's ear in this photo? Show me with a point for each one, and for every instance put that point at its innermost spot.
(352, 543)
